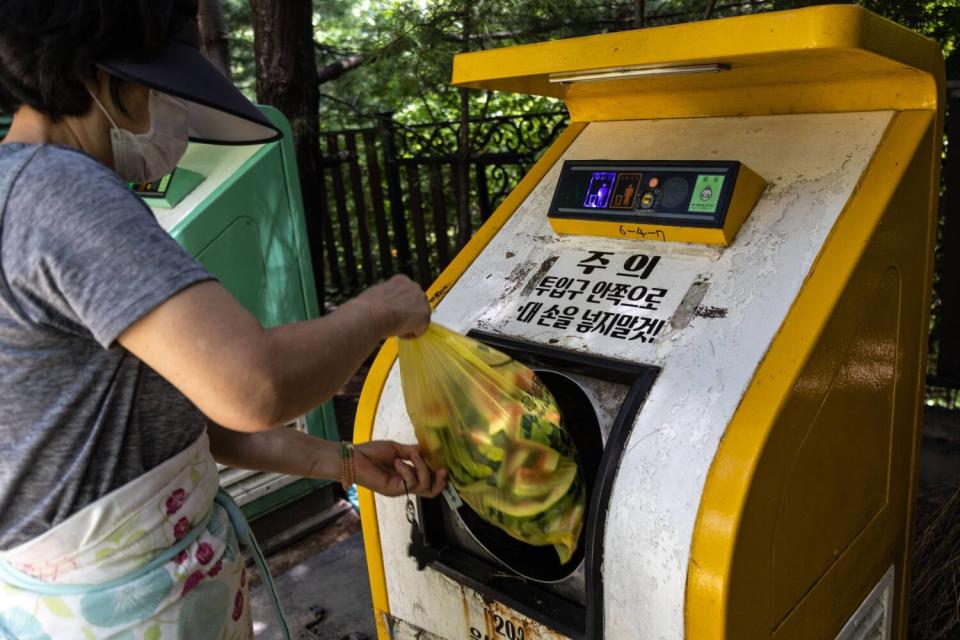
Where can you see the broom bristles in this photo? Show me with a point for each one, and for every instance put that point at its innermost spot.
(935, 580)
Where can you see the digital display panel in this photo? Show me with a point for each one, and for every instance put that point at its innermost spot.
(686, 193)
(626, 190)
(155, 189)
(599, 189)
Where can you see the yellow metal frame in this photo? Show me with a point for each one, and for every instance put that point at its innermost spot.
(744, 490)
(814, 60)
(746, 192)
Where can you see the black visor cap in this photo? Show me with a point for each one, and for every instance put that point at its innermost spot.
(218, 112)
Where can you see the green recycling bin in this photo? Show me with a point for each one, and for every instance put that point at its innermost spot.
(238, 210)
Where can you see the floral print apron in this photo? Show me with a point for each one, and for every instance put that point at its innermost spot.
(157, 559)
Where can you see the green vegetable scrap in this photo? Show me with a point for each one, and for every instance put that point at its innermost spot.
(490, 421)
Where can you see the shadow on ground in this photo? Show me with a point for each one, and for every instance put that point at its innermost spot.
(326, 596)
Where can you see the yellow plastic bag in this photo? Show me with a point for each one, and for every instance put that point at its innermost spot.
(497, 429)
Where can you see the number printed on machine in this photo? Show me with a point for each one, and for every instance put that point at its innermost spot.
(490, 620)
(503, 629)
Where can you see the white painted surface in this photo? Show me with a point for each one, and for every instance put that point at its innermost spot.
(812, 163)
(216, 164)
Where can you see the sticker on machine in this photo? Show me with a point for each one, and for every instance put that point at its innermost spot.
(488, 619)
(599, 298)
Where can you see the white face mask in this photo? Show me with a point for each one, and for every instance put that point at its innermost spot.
(145, 157)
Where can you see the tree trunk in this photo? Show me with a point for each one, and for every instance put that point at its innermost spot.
(639, 9)
(463, 148)
(213, 34)
(711, 5)
(287, 80)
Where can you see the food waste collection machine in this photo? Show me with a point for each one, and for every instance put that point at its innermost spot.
(722, 269)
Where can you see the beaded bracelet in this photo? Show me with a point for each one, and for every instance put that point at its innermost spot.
(346, 464)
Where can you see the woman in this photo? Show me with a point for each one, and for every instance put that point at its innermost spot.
(125, 369)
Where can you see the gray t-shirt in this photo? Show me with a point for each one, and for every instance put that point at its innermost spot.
(81, 259)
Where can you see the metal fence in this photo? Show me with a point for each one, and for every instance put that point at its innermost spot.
(390, 192)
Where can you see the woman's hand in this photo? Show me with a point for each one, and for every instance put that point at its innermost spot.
(384, 466)
(403, 302)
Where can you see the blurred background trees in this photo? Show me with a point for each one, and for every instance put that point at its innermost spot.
(395, 55)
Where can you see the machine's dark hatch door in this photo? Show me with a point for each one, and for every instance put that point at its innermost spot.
(567, 598)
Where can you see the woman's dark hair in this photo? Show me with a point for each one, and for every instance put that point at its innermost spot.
(48, 48)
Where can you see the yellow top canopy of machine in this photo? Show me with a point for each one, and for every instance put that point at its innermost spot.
(814, 60)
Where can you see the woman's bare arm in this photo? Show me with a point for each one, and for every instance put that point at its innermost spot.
(248, 378)
(385, 467)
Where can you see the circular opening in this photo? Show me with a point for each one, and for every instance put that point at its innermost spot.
(541, 563)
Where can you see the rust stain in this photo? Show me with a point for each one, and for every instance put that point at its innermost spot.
(466, 607)
(438, 295)
(522, 627)
(512, 624)
(488, 618)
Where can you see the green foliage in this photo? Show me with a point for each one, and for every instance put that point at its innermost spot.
(236, 14)
(408, 45)
(939, 20)
(408, 48)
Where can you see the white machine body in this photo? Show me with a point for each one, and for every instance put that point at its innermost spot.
(714, 315)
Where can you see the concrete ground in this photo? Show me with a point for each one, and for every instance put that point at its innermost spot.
(322, 579)
(323, 588)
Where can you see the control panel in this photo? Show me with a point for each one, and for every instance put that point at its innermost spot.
(169, 190)
(683, 201)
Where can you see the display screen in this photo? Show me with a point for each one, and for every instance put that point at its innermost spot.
(706, 193)
(155, 189)
(671, 192)
(598, 191)
(626, 190)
